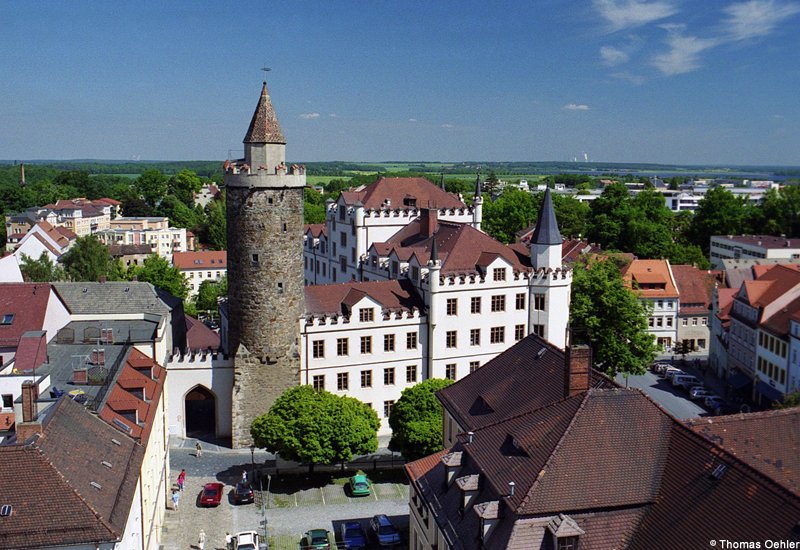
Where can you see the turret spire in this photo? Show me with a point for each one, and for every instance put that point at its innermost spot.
(546, 231)
(434, 250)
(264, 127)
(478, 185)
(442, 183)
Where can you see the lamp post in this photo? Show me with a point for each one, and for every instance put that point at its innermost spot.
(252, 463)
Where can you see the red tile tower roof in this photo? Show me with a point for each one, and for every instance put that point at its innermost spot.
(264, 126)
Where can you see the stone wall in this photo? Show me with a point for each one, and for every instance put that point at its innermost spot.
(265, 297)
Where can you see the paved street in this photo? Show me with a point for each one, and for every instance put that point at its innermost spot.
(294, 505)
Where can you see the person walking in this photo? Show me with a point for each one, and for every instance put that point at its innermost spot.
(228, 541)
(244, 476)
(181, 479)
(201, 540)
(176, 497)
(198, 449)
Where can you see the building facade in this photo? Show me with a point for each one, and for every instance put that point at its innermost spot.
(205, 265)
(653, 282)
(752, 247)
(153, 231)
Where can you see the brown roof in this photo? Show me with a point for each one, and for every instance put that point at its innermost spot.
(398, 191)
(491, 393)
(63, 463)
(725, 302)
(27, 302)
(117, 250)
(768, 441)
(199, 336)
(695, 287)
(264, 126)
(204, 259)
(770, 286)
(648, 274)
(337, 299)
(316, 229)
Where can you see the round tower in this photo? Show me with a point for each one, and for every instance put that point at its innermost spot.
(265, 269)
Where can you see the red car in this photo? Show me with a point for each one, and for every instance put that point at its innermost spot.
(211, 495)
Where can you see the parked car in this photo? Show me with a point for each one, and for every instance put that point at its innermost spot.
(211, 495)
(672, 371)
(359, 485)
(659, 368)
(684, 380)
(246, 540)
(353, 535)
(700, 392)
(317, 539)
(713, 401)
(243, 493)
(385, 531)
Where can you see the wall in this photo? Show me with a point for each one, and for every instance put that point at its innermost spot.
(212, 372)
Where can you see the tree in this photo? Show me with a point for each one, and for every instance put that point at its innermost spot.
(42, 270)
(513, 211)
(158, 271)
(184, 185)
(314, 207)
(491, 183)
(151, 187)
(572, 215)
(214, 233)
(179, 214)
(789, 400)
(416, 420)
(317, 427)
(88, 260)
(719, 213)
(610, 318)
(208, 293)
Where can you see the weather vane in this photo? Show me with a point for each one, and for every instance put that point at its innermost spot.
(266, 70)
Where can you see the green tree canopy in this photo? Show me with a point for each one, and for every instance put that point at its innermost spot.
(416, 420)
(314, 207)
(317, 427)
(719, 213)
(610, 318)
(42, 270)
(214, 233)
(512, 211)
(208, 292)
(88, 260)
(160, 273)
(179, 214)
(151, 187)
(183, 185)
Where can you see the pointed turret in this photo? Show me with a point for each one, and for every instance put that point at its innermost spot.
(478, 185)
(22, 174)
(434, 250)
(477, 204)
(546, 231)
(264, 127)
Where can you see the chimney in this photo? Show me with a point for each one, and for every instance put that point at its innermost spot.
(578, 369)
(30, 393)
(428, 221)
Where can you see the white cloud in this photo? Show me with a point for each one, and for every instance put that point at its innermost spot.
(412, 119)
(684, 52)
(636, 79)
(756, 18)
(633, 13)
(333, 115)
(309, 116)
(445, 125)
(613, 56)
(576, 107)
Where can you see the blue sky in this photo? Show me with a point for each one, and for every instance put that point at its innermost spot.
(667, 81)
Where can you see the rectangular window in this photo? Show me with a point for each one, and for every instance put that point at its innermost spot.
(342, 381)
(319, 382)
(475, 304)
(451, 337)
(450, 371)
(521, 300)
(651, 322)
(452, 306)
(519, 332)
(366, 314)
(388, 376)
(475, 337)
(341, 347)
(343, 239)
(388, 342)
(366, 344)
(659, 321)
(538, 330)
(694, 321)
(473, 366)
(414, 272)
(660, 304)
(538, 302)
(704, 321)
(8, 401)
(411, 340)
(366, 378)
(411, 373)
(669, 321)
(319, 348)
(684, 322)
(499, 303)
(497, 335)
(499, 274)
(387, 408)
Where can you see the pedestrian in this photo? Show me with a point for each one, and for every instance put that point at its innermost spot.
(228, 541)
(176, 497)
(201, 540)
(181, 479)
(198, 449)
(244, 476)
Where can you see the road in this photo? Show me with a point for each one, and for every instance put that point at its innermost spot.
(675, 400)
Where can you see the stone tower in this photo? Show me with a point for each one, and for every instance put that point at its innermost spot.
(265, 269)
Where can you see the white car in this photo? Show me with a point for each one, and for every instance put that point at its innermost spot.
(699, 392)
(246, 540)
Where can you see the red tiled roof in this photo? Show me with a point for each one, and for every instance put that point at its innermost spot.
(316, 229)
(264, 126)
(770, 286)
(768, 441)
(199, 336)
(397, 190)
(695, 287)
(27, 302)
(651, 272)
(336, 298)
(725, 302)
(205, 259)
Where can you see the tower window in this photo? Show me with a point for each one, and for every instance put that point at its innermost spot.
(280, 288)
(269, 200)
(284, 227)
(254, 259)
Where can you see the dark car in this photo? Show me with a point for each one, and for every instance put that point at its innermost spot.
(211, 495)
(353, 535)
(317, 539)
(385, 531)
(243, 493)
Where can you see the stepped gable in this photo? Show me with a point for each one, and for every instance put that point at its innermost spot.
(492, 393)
(462, 248)
(52, 464)
(402, 193)
(264, 126)
(337, 299)
(768, 441)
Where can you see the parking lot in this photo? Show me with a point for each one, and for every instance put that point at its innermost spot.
(295, 503)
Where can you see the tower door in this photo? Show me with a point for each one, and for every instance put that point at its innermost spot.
(201, 413)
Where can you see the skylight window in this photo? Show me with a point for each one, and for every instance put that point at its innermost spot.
(8, 318)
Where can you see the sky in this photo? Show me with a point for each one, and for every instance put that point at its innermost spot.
(661, 81)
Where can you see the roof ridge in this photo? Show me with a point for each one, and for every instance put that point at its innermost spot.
(520, 415)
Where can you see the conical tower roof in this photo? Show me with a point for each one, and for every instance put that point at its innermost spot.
(546, 231)
(264, 128)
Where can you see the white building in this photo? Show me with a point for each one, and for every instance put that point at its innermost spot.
(752, 247)
(153, 231)
(655, 285)
(202, 265)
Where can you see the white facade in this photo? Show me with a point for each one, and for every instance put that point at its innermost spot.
(155, 232)
(793, 364)
(752, 247)
(663, 320)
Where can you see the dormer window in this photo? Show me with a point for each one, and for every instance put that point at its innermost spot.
(8, 318)
(410, 201)
(566, 533)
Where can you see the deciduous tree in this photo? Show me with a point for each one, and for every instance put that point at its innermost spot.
(88, 260)
(416, 420)
(41, 270)
(160, 273)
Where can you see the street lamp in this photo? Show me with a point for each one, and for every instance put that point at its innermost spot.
(252, 462)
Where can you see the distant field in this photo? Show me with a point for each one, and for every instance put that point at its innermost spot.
(318, 180)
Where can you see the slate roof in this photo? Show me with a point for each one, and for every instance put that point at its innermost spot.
(546, 231)
(110, 297)
(695, 287)
(768, 441)
(117, 250)
(27, 302)
(203, 259)
(55, 466)
(397, 190)
(264, 126)
(337, 299)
